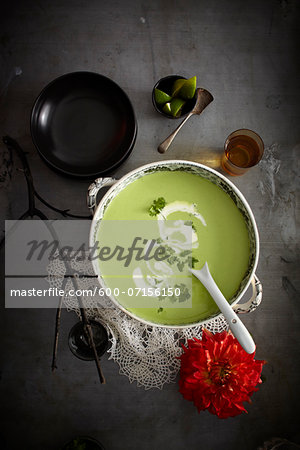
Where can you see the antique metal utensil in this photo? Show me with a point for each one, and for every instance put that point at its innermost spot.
(204, 98)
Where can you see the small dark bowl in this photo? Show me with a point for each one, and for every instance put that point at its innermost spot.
(90, 443)
(165, 84)
(78, 341)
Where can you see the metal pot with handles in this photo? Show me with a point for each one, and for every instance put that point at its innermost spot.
(116, 186)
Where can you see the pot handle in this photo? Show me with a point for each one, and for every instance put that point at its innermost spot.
(255, 300)
(94, 188)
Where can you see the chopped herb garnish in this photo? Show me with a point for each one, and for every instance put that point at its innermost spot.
(185, 253)
(180, 266)
(173, 259)
(157, 206)
(184, 292)
(171, 250)
(189, 223)
(194, 261)
(160, 310)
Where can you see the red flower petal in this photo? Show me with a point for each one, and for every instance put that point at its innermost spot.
(217, 374)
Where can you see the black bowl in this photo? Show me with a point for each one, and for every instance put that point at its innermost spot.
(90, 443)
(165, 84)
(83, 125)
(78, 341)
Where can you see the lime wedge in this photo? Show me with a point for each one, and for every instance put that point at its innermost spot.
(188, 89)
(167, 109)
(177, 86)
(176, 106)
(161, 97)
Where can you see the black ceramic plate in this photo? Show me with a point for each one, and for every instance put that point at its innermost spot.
(83, 124)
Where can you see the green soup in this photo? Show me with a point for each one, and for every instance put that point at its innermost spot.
(220, 227)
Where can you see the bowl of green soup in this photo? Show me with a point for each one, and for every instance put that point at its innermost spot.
(158, 221)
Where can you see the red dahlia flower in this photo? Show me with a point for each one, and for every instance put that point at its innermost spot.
(217, 374)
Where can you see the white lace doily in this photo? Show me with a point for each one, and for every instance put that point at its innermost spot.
(145, 354)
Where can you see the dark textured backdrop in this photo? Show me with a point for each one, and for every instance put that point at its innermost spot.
(247, 54)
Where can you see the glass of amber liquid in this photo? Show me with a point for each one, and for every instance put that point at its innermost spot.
(243, 149)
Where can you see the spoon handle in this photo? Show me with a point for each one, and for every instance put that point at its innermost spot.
(163, 147)
(235, 324)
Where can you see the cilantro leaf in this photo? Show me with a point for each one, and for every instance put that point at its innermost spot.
(157, 206)
(194, 261)
(185, 253)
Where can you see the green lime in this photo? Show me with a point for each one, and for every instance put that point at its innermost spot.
(161, 97)
(176, 106)
(188, 88)
(177, 85)
(167, 109)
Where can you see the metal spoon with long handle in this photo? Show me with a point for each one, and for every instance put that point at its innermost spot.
(235, 324)
(204, 98)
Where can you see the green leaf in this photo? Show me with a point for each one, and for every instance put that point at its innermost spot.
(157, 206)
(194, 261)
(173, 259)
(185, 253)
(184, 292)
(180, 266)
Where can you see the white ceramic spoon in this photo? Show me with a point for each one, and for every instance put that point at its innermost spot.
(235, 324)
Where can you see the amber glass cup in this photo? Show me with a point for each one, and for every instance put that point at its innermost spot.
(243, 149)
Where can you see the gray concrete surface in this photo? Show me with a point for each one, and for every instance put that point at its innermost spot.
(247, 54)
